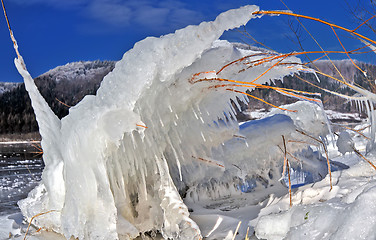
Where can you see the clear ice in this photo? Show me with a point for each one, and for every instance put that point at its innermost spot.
(117, 165)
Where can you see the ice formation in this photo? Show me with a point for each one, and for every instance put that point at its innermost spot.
(116, 164)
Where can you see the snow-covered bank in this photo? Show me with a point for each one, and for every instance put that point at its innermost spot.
(346, 212)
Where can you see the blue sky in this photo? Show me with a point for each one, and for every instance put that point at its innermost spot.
(55, 32)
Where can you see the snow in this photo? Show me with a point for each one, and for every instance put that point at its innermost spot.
(347, 212)
(83, 70)
(7, 86)
(161, 127)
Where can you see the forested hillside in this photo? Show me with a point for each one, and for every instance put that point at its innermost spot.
(62, 87)
(66, 85)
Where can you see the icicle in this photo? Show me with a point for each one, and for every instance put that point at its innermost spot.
(194, 112)
(161, 122)
(317, 77)
(237, 104)
(203, 137)
(373, 122)
(202, 120)
(133, 141)
(232, 110)
(245, 99)
(176, 157)
(143, 184)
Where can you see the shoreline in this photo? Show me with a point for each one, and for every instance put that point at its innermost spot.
(20, 138)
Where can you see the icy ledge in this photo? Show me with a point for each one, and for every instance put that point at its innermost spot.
(115, 164)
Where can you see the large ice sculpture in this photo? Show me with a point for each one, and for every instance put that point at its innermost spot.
(115, 164)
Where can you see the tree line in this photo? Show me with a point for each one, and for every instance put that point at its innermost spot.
(17, 116)
(16, 113)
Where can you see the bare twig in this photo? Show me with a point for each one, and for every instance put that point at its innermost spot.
(326, 154)
(236, 231)
(284, 156)
(288, 173)
(39, 214)
(61, 102)
(361, 155)
(317, 20)
(12, 36)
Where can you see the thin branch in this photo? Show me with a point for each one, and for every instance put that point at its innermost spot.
(317, 20)
(11, 34)
(326, 153)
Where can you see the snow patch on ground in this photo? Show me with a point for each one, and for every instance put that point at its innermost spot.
(346, 212)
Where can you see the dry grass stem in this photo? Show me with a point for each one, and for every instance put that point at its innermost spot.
(317, 20)
(361, 155)
(286, 166)
(39, 214)
(326, 154)
(63, 103)
(356, 131)
(246, 236)
(284, 156)
(209, 161)
(236, 231)
(288, 173)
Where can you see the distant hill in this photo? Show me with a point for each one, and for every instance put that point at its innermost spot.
(61, 87)
(7, 86)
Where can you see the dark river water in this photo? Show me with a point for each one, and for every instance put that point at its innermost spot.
(21, 167)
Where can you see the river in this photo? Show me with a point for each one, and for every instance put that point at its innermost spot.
(21, 168)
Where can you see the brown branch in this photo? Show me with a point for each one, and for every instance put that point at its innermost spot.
(326, 153)
(315, 19)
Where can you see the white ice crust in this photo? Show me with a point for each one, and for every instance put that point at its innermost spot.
(116, 163)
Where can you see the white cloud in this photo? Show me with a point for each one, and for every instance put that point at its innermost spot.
(112, 12)
(53, 3)
(145, 13)
(151, 14)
